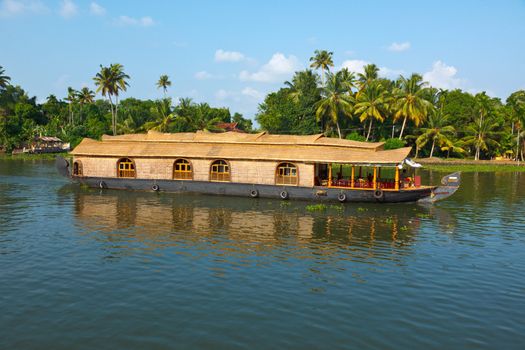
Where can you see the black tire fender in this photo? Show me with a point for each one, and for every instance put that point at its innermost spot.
(102, 185)
(341, 197)
(155, 187)
(283, 195)
(254, 193)
(378, 194)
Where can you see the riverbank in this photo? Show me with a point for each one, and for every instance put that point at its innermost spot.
(29, 156)
(470, 165)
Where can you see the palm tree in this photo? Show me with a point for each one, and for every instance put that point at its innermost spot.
(109, 81)
(516, 102)
(120, 84)
(372, 103)
(454, 147)
(301, 80)
(438, 129)
(348, 79)
(164, 116)
(369, 75)
(197, 117)
(322, 59)
(85, 96)
(72, 97)
(164, 82)
(410, 102)
(105, 85)
(481, 134)
(4, 79)
(335, 101)
(484, 108)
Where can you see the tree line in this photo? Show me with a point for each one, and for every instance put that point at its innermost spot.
(81, 115)
(344, 104)
(404, 111)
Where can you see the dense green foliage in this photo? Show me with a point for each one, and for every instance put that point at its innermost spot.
(80, 115)
(362, 107)
(370, 108)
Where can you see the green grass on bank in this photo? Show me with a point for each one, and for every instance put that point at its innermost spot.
(475, 167)
(28, 156)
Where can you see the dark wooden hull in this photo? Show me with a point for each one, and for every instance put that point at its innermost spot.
(263, 191)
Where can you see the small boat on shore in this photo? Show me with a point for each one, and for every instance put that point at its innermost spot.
(312, 167)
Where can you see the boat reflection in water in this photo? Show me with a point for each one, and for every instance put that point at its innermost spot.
(131, 221)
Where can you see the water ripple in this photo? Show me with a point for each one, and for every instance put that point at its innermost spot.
(86, 269)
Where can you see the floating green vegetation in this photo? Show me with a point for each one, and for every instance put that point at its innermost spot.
(285, 204)
(316, 207)
(389, 220)
(361, 209)
(404, 228)
(423, 215)
(339, 207)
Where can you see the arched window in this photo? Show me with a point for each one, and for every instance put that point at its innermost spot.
(182, 170)
(126, 168)
(220, 171)
(77, 168)
(286, 174)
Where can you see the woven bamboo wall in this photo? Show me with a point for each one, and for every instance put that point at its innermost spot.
(255, 172)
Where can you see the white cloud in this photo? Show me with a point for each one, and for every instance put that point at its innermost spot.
(203, 75)
(228, 56)
(251, 92)
(355, 66)
(443, 76)
(9, 8)
(236, 96)
(131, 21)
(398, 47)
(278, 68)
(68, 9)
(390, 73)
(222, 94)
(96, 9)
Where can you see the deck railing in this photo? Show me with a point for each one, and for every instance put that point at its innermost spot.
(381, 183)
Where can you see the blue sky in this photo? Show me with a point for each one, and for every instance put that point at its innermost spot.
(231, 53)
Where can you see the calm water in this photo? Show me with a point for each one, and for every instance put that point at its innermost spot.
(85, 269)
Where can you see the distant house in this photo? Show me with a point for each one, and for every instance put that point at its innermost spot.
(48, 144)
(229, 127)
(44, 144)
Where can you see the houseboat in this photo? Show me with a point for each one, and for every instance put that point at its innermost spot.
(312, 167)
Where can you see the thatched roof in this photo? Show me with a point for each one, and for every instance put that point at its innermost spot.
(232, 145)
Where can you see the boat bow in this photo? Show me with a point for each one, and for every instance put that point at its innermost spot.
(450, 183)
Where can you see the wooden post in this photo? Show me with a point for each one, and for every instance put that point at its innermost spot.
(397, 179)
(374, 184)
(329, 174)
(352, 179)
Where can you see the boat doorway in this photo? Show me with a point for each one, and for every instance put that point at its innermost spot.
(321, 174)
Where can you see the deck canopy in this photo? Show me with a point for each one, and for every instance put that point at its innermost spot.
(233, 145)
